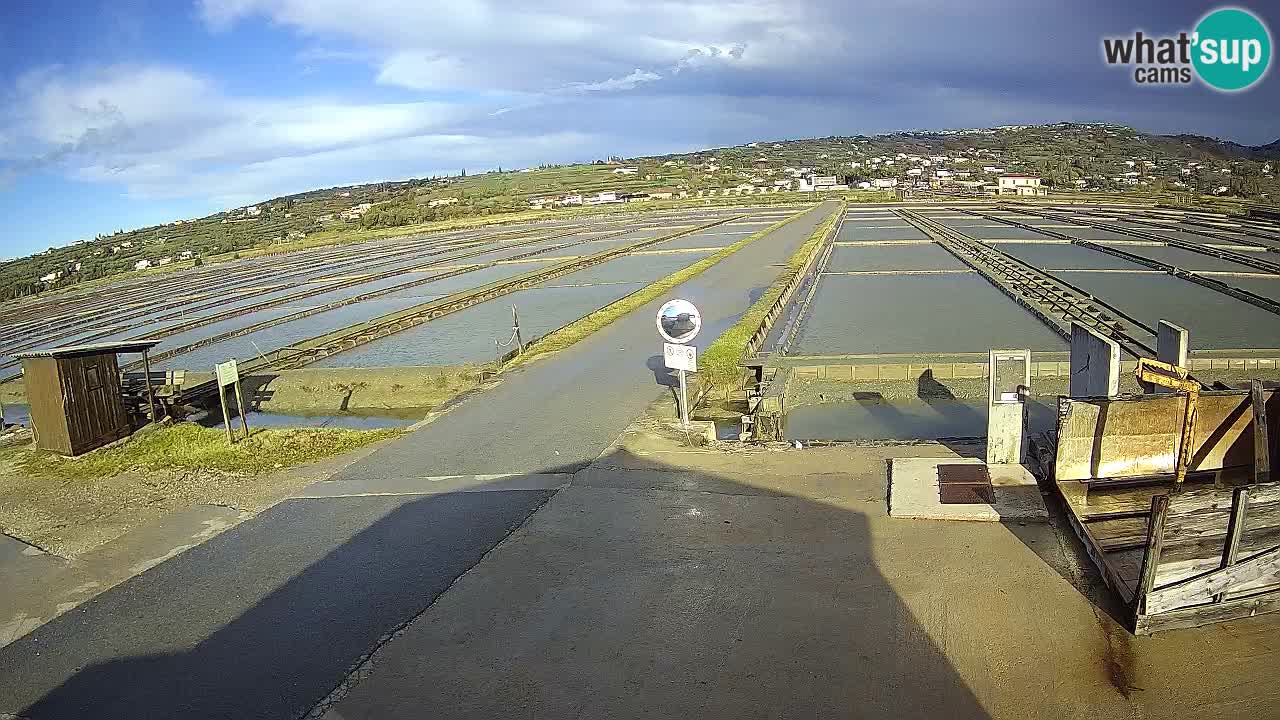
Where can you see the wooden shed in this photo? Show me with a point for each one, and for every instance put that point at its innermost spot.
(74, 394)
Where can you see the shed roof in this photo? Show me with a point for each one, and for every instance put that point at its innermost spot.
(126, 346)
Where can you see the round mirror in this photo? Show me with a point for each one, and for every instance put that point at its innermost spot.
(679, 321)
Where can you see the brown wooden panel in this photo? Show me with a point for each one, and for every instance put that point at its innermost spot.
(45, 396)
(94, 408)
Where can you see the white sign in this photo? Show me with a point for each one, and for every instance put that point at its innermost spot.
(680, 357)
(228, 373)
(679, 321)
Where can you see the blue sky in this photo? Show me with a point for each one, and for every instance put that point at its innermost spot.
(123, 113)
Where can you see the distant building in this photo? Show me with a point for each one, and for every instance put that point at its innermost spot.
(662, 193)
(142, 265)
(571, 199)
(884, 183)
(253, 211)
(166, 260)
(1020, 185)
(441, 202)
(51, 277)
(603, 198)
(626, 170)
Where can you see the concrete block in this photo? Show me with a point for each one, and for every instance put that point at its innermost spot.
(1005, 419)
(810, 372)
(1199, 364)
(1064, 369)
(913, 492)
(1172, 344)
(1095, 363)
(893, 372)
(1219, 364)
(1235, 364)
(1266, 364)
(970, 370)
(843, 373)
(1251, 365)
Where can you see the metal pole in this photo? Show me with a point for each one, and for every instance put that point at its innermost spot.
(684, 401)
(146, 374)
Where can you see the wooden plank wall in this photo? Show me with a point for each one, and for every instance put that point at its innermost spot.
(44, 395)
(95, 410)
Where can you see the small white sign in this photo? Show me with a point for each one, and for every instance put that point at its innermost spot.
(228, 373)
(679, 321)
(680, 357)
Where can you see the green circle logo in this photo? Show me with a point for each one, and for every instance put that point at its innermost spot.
(1232, 49)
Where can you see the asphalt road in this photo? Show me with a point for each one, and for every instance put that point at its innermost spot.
(266, 619)
(561, 414)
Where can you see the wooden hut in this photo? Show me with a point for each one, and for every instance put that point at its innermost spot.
(75, 397)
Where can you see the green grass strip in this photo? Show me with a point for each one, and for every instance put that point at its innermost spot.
(721, 362)
(187, 446)
(579, 329)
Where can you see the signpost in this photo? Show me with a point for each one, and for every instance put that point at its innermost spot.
(678, 323)
(229, 376)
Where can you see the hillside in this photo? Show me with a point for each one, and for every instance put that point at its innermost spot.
(1092, 157)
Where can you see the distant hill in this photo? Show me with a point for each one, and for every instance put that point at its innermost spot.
(1086, 156)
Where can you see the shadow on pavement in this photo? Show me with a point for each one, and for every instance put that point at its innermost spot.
(644, 602)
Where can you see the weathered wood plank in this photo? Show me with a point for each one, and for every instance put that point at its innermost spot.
(1151, 556)
(1209, 549)
(1206, 614)
(1261, 446)
(1200, 500)
(1235, 528)
(1263, 565)
(1102, 500)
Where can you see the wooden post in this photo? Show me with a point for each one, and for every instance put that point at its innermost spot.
(1261, 444)
(146, 373)
(226, 416)
(1235, 528)
(515, 325)
(244, 413)
(1151, 554)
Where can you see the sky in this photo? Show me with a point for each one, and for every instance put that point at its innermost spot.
(117, 114)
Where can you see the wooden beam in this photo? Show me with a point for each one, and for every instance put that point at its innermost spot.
(1235, 528)
(1181, 593)
(1261, 446)
(146, 374)
(1205, 614)
(1151, 556)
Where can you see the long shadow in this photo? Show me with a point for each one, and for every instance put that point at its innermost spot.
(606, 604)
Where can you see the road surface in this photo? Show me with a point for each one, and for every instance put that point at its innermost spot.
(266, 619)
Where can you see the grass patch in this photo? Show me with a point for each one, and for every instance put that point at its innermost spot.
(721, 361)
(579, 329)
(188, 447)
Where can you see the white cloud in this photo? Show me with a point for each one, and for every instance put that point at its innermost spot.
(627, 82)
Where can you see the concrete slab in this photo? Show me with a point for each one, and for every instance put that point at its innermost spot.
(913, 493)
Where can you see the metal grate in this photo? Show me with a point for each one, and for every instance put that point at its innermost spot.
(964, 485)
